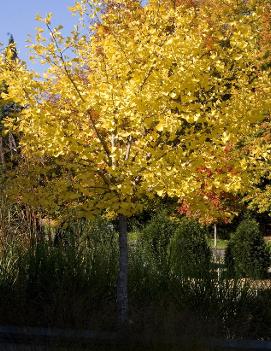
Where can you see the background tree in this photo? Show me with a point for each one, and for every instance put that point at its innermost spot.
(8, 142)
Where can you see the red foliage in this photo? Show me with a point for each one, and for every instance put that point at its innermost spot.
(205, 170)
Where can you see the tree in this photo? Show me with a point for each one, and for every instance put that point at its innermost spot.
(10, 149)
(256, 145)
(133, 106)
(8, 143)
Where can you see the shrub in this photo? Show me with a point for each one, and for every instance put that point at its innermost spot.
(250, 256)
(156, 236)
(147, 280)
(190, 255)
(229, 261)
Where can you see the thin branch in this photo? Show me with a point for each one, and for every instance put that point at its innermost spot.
(89, 112)
(2, 156)
(151, 68)
(128, 150)
(156, 160)
(122, 49)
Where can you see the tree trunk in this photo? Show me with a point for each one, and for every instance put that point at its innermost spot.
(2, 155)
(122, 284)
(215, 236)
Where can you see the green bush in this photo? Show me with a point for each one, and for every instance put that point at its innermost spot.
(147, 279)
(247, 254)
(156, 236)
(190, 255)
(229, 261)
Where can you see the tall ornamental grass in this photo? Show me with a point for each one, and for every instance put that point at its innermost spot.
(71, 282)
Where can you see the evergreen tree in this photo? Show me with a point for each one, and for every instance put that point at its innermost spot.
(8, 142)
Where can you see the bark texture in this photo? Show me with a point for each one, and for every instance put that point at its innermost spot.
(122, 284)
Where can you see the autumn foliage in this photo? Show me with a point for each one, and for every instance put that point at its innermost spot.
(153, 100)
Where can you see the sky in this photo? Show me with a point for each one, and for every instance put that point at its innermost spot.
(18, 17)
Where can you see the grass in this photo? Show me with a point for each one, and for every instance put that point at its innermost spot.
(69, 288)
(72, 284)
(220, 244)
(133, 236)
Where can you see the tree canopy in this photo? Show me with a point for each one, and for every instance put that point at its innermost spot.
(137, 101)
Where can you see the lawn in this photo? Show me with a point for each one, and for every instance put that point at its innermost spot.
(220, 244)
